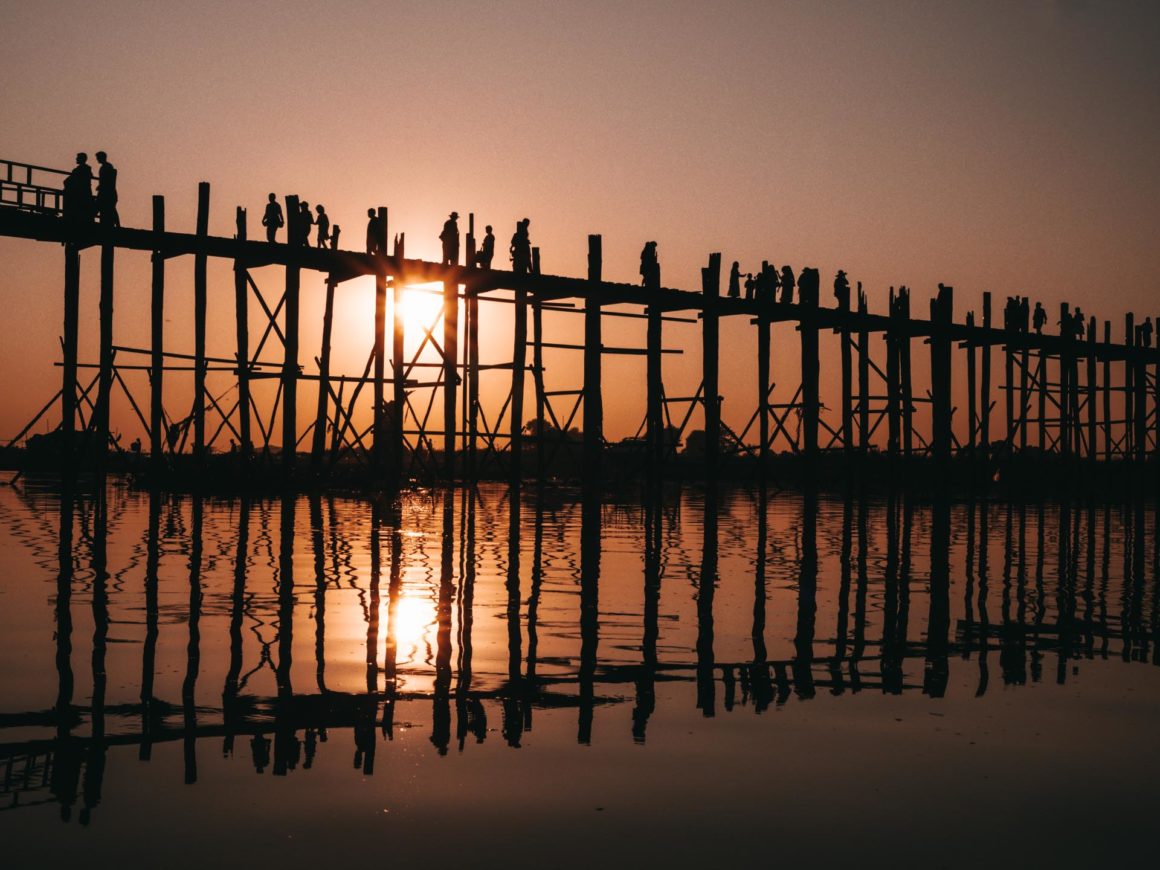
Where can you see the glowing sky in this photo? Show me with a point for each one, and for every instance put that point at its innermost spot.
(990, 145)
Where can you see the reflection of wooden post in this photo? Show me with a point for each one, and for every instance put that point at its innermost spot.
(1090, 387)
(68, 394)
(199, 319)
(863, 373)
(593, 400)
(157, 334)
(972, 381)
(318, 448)
(242, 328)
(711, 288)
(847, 376)
(290, 358)
(985, 373)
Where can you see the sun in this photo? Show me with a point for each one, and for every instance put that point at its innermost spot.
(421, 305)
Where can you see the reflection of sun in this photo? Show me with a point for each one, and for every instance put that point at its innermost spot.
(421, 305)
(413, 615)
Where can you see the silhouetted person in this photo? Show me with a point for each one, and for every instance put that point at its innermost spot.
(1040, 318)
(450, 239)
(486, 251)
(769, 283)
(521, 248)
(273, 219)
(842, 288)
(1078, 323)
(305, 222)
(787, 284)
(78, 191)
(323, 224)
(374, 233)
(335, 231)
(650, 267)
(749, 285)
(107, 192)
(735, 281)
(1024, 314)
(1146, 332)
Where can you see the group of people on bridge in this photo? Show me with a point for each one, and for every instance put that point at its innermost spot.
(300, 225)
(79, 205)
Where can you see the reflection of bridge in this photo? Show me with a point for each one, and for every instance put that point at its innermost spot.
(1006, 621)
(1073, 394)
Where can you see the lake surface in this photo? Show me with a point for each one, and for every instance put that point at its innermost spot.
(779, 678)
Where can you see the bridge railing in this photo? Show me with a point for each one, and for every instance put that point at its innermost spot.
(32, 188)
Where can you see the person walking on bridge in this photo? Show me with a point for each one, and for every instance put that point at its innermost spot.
(107, 192)
(374, 233)
(323, 224)
(521, 248)
(273, 219)
(450, 239)
(78, 192)
(487, 250)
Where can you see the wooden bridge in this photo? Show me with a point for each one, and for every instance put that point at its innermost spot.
(1089, 397)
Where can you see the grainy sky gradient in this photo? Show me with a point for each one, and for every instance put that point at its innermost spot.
(990, 145)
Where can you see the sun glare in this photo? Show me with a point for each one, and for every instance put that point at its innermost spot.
(422, 304)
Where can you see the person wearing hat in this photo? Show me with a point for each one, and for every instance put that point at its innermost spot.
(842, 289)
(450, 239)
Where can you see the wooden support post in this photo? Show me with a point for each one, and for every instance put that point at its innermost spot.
(399, 382)
(68, 387)
(450, 372)
(654, 416)
(1024, 398)
(1107, 379)
(811, 401)
(242, 328)
(1042, 396)
(290, 358)
(847, 376)
(905, 382)
(199, 320)
(1129, 382)
(893, 403)
(763, 328)
(1009, 378)
(1140, 394)
(541, 394)
(972, 385)
(382, 438)
(105, 383)
(157, 431)
(1064, 389)
(519, 363)
(593, 399)
(863, 374)
(1090, 387)
(711, 287)
(472, 391)
(985, 373)
(942, 317)
(318, 448)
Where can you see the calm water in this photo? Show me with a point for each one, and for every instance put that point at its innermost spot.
(785, 679)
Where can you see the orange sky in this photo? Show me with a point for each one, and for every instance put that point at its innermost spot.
(991, 146)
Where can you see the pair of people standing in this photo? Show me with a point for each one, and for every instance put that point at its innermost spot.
(79, 204)
(449, 237)
(273, 220)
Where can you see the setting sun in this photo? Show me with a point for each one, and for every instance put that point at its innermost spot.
(422, 305)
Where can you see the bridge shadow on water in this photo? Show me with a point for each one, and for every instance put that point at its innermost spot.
(272, 633)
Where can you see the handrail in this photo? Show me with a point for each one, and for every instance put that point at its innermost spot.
(18, 190)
